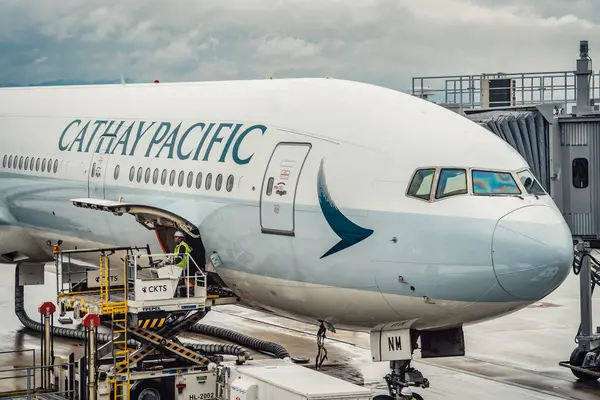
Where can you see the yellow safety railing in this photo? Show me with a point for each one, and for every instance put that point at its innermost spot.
(118, 310)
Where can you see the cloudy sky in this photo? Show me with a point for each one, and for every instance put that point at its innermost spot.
(379, 41)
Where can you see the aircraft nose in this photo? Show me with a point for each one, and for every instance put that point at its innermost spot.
(532, 252)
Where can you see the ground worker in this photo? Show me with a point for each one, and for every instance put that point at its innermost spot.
(182, 252)
(181, 249)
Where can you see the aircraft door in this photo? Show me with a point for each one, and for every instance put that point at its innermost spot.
(98, 170)
(278, 194)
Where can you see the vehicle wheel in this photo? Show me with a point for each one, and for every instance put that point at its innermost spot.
(417, 396)
(383, 397)
(146, 390)
(576, 359)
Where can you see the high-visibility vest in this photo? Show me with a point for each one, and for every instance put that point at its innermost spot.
(183, 264)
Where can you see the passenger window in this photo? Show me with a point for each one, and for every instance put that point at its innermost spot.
(21, 162)
(37, 164)
(139, 174)
(16, 162)
(155, 176)
(199, 180)
(131, 174)
(55, 166)
(452, 182)
(208, 181)
(218, 182)
(580, 173)
(9, 161)
(180, 179)
(190, 179)
(43, 164)
(420, 186)
(49, 166)
(490, 182)
(229, 185)
(31, 163)
(26, 164)
(116, 174)
(163, 177)
(270, 186)
(172, 177)
(4, 160)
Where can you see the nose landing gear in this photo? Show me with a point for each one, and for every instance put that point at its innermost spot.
(401, 377)
(397, 347)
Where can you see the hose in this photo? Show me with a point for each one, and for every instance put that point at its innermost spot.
(207, 348)
(257, 344)
(207, 330)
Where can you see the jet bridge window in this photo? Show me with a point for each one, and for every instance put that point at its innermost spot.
(580, 173)
(491, 182)
(452, 182)
(421, 183)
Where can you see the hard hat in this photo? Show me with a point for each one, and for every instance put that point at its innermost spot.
(179, 234)
(405, 391)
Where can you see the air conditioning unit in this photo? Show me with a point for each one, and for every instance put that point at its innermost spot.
(498, 92)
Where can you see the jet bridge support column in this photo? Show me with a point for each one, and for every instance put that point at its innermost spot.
(585, 359)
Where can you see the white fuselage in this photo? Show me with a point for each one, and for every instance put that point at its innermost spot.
(300, 186)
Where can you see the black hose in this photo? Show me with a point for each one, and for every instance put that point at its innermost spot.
(217, 348)
(244, 340)
(206, 348)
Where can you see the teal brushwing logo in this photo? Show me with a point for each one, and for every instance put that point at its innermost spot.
(348, 232)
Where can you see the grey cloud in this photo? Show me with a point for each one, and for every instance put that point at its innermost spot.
(379, 41)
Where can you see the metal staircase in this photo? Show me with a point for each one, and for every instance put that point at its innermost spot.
(118, 311)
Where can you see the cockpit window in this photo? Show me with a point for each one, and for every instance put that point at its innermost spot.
(491, 182)
(452, 182)
(420, 186)
(531, 185)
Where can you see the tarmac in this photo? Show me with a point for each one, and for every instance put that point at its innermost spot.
(513, 357)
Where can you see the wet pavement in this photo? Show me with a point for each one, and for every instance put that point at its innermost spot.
(512, 357)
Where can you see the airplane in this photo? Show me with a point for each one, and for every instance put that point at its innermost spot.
(327, 201)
